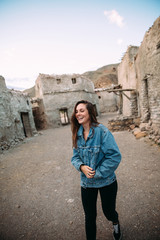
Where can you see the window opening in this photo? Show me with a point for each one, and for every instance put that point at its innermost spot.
(64, 116)
(73, 80)
(58, 80)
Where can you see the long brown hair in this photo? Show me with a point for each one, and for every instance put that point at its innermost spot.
(74, 123)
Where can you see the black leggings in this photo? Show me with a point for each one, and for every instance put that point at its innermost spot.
(89, 201)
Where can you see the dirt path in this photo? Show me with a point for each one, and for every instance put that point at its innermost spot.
(40, 190)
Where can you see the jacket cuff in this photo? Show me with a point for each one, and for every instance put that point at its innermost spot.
(80, 167)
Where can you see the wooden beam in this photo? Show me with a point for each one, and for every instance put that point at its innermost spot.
(126, 96)
(120, 90)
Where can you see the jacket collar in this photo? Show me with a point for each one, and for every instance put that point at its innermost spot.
(80, 132)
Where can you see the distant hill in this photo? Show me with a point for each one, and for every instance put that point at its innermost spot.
(104, 76)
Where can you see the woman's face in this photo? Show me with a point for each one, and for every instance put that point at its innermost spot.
(82, 114)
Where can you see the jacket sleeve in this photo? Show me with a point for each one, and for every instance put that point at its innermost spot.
(76, 160)
(112, 156)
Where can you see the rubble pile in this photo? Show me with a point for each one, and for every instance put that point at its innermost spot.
(138, 128)
(147, 129)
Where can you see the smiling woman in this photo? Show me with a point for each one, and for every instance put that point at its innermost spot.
(96, 156)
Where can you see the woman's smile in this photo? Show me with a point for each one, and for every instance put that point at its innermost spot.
(82, 114)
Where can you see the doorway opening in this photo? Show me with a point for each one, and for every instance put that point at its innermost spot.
(145, 99)
(26, 124)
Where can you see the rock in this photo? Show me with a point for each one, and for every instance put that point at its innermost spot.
(141, 134)
(132, 126)
(136, 131)
(136, 122)
(143, 126)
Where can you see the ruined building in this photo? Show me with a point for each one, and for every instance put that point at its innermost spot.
(56, 96)
(139, 76)
(127, 79)
(108, 101)
(16, 119)
(147, 67)
(140, 70)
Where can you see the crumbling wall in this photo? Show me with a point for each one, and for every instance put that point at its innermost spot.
(38, 113)
(108, 101)
(127, 79)
(140, 70)
(16, 119)
(148, 75)
(59, 95)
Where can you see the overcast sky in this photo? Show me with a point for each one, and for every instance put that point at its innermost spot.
(68, 36)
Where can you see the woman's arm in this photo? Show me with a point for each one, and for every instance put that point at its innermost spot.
(79, 165)
(112, 156)
(76, 160)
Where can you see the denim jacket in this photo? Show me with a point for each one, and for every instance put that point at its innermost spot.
(100, 152)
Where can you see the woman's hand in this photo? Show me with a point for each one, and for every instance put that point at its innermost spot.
(89, 172)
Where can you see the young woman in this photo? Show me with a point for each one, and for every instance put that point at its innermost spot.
(96, 156)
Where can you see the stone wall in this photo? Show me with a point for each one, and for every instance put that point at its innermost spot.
(148, 74)
(123, 123)
(108, 101)
(16, 119)
(127, 79)
(140, 70)
(59, 95)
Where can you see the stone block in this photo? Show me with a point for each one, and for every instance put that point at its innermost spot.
(136, 121)
(141, 134)
(136, 131)
(132, 126)
(143, 126)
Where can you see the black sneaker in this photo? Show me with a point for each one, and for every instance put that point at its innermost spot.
(117, 235)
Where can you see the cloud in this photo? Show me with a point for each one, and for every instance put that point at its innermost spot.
(114, 17)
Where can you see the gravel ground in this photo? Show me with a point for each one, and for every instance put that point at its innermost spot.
(40, 190)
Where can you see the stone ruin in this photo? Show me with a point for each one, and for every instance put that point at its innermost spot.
(16, 118)
(108, 101)
(139, 76)
(136, 97)
(56, 96)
